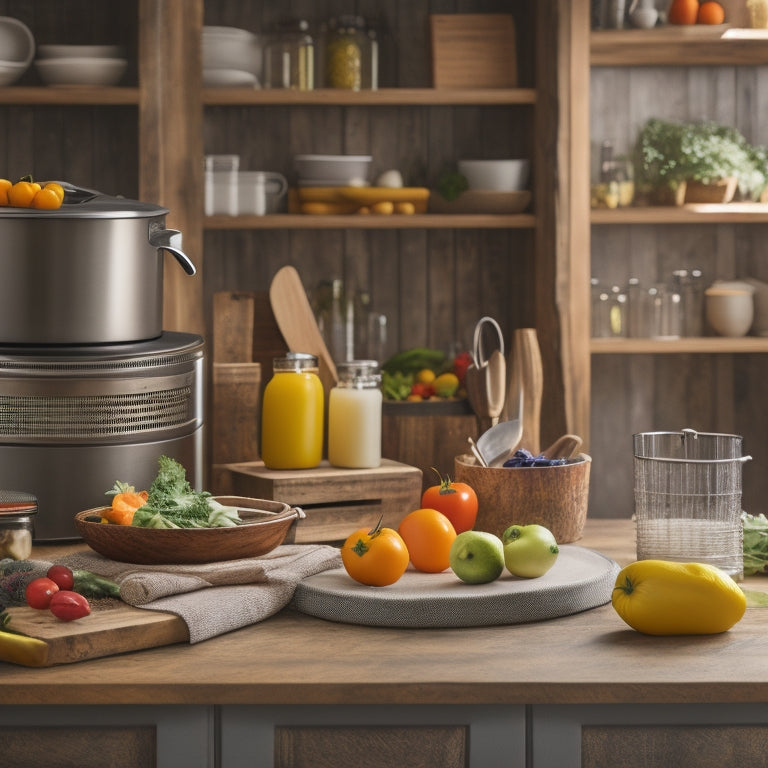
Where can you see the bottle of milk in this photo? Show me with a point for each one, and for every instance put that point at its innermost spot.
(354, 416)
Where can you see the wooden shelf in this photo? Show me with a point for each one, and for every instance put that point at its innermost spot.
(382, 97)
(691, 345)
(417, 221)
(683, 46)
(76, 95)
(703, 213)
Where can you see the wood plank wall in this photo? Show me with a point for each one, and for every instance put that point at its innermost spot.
(713, 393)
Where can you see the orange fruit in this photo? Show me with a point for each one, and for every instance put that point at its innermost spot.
(57, 188)
(428, 534)
(22, 193)
(683, 12)
(5, 187)
(710, 12)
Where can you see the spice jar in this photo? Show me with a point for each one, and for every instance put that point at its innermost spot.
(289, 57)
(354, 416)
(351, 60)
(292, 414)
(17, 512)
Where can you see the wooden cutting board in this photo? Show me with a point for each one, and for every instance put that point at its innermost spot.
(119, 628)
(579, 580)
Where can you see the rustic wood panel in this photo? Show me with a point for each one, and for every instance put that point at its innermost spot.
(659, 746)
(375, 747)
(721, 392)
(84, 746)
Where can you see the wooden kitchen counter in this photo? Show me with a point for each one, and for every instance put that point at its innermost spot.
(592, 657)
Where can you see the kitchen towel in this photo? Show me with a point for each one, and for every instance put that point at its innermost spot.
(214, 598)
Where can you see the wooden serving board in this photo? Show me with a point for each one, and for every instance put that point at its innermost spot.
(45, 641)
(579, 580)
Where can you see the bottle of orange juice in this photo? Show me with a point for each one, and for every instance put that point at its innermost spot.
(292, 414)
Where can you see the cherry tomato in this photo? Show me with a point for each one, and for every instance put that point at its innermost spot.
(40, 591)
(62, 576)
(68, 606)
(375, 557)
(428, 534)
(457, 501)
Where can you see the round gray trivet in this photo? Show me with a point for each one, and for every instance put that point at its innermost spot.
(580, 579)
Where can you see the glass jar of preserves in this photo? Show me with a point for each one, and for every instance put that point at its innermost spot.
(292, 414)
(354, 416)
(351, 59)
(289, 57)
(17, 514)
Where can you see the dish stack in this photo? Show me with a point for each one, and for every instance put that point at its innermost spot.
(17, 47)
(81, 64)
(332, 170)
(231, 58)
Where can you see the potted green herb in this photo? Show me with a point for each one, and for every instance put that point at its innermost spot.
(659, 174)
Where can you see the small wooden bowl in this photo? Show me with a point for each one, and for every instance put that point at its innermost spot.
(555, 497)
(266, 525)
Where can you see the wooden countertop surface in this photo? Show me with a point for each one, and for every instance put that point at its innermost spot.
(592, 657)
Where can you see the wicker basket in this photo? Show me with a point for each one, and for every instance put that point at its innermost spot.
(721, 191)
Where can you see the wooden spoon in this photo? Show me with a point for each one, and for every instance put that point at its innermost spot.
(526, 357)
(297, 323)
(563, 448)
(495, 385)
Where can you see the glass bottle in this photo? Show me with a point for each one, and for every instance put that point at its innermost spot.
(347, 49)
(354, 416)
(292, 414)
(289, 58)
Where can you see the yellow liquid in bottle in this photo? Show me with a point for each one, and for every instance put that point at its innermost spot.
(292, 421)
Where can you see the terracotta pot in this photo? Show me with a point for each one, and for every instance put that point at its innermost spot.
(721, 191)
(667, 195)
(555, 497)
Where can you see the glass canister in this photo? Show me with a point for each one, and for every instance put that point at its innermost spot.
(354, 416)
(292, 414)
(351, 59)
(17, 515)
(289, 57)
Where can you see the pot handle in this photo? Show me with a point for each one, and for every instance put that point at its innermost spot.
(170, 240)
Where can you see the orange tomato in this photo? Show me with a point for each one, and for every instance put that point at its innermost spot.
(22, 193)
(46, 199)
(428, 534)
(57, 188)
(683, 12)
(375, 558)
(124, 506)
(710, 12)
(5, 187)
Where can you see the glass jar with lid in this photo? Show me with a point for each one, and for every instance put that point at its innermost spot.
(17, 515)
(293, 413)
(354, 416)
(289, 58)
(351, 59)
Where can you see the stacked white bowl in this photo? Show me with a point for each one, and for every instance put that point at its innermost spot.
(231, 57)
(17, 47)
(332, 170)
(81, 64)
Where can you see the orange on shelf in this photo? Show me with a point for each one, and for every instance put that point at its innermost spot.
(710, 12)
(683, 12)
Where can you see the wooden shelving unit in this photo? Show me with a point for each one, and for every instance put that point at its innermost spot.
(702, 345)
(730, 213)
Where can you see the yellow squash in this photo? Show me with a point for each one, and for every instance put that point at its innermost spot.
(657, 597)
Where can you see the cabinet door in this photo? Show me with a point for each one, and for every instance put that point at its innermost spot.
(373, 736)
(649, 736)
(119, 736)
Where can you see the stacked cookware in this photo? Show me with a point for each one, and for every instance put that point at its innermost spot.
(92, 390)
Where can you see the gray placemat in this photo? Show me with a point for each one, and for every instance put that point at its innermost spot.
(580, 579)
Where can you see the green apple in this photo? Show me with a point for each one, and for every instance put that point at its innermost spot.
(529, 550)
(477, 557)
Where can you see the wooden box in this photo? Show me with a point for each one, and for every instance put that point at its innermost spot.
(336, 501)
(473, 50)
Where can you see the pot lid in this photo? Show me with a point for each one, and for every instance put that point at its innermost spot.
(14, 503)
(82, 203)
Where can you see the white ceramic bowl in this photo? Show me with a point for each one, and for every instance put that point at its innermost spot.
(16, 41)
(496, 175)
(80, 52)
(330, 170)
(11, 71)
(729, 311)
(233, 49)
(81, 71)
(229, 78)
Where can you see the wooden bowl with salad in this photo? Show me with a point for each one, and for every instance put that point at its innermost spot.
(263, 525)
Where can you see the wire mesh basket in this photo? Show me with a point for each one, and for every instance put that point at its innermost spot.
(688, 498)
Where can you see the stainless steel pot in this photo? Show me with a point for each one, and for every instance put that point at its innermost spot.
(90, 272)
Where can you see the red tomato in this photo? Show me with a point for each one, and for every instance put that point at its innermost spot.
(40, 591)
(457, 501)
(68, 606)
(62, 576)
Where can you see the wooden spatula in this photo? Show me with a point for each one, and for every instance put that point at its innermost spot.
(526, 356)
(297, 323)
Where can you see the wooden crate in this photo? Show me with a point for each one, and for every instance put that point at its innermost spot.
(336, 501)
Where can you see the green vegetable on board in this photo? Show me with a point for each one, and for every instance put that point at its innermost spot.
(755, 543)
